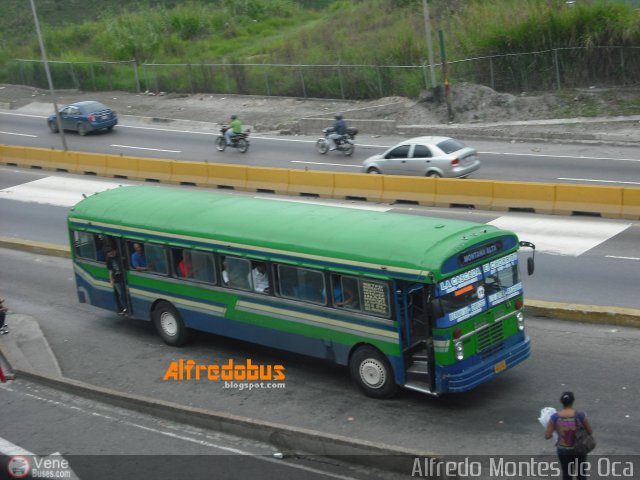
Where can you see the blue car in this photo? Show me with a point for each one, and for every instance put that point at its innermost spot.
(84, 117)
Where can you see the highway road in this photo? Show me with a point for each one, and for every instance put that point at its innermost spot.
(531, 162)
(500, 417)
(581, 260)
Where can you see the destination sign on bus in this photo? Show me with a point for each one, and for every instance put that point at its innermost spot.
(487, 250)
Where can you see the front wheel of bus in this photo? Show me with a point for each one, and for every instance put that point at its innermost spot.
(370, 369)
(169, 324)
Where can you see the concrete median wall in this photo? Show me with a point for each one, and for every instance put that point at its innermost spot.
(560, 199)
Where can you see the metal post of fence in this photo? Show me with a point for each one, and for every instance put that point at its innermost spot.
(135, 74)
(109, 76)
(624, 80)
(493, 83)
(190, 78)
(93, 77)
(556, 61)
(266, 79)
(340, 79)
(379, 80)
(226, 76)
(144, 75)
(74, 77)
(304, 90)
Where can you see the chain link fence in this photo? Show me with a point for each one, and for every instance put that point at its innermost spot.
(512, 73)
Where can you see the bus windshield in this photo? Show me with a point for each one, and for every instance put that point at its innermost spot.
(472, 292)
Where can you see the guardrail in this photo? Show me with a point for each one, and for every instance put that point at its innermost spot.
(545, 198)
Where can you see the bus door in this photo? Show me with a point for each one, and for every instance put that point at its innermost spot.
(123, 254)
(417, 338)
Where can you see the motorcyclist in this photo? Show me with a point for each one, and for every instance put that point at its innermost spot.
(235, 128)
(339, 129)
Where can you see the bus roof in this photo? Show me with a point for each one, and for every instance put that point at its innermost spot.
(399, 241)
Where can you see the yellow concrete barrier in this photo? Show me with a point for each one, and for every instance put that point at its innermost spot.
(189, 173)
(226, 176)
(268, 179)
(122, 166)
(62, 161)
(155, 170)
(409, 189)
(631, 203)
(39, 158)
(358, 185)
(457, 191)
(311, 182)
(13, 155)
(539, 197)
(571, 198)
(92, 164)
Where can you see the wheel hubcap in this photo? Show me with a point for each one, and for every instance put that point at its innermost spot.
(373, 373)
(169, 324)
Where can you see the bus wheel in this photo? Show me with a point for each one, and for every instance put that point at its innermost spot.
(169, 324)
(371, 371)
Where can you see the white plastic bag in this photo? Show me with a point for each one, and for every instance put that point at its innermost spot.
(545, 416)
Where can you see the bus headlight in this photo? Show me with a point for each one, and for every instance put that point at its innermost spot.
(520, 317)
(459, 350)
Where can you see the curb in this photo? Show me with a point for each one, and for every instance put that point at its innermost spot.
(287, 439)
(607, 315)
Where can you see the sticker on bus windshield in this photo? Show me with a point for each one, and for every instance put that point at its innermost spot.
(454, 283)
(499, 297)
(462, 314)
(499, 264)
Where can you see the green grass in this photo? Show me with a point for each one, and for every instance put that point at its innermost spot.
(370, 32)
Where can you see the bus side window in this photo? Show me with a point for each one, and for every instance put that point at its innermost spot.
(236, 272)
(301, 284)
(156, 259)
(346, 293)
(89, 246)
(203, 266)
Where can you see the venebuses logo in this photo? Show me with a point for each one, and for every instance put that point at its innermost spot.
(181, 370)
(18, 467)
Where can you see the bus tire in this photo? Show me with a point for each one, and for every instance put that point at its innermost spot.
(169, 324)
(371, 371)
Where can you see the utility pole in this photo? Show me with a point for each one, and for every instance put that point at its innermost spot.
(46, 68)
(445, 74)
(427, 28)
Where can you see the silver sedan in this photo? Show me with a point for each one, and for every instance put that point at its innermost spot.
(425, 156)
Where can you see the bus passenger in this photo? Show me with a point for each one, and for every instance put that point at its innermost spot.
(225, 273)
(138, 260)
(116, 278)
(260, 278)
(185, 267)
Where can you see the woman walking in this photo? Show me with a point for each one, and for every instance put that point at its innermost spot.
(565, 423)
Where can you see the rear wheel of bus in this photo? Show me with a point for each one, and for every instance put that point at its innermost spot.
(169, 324)
(372, 372)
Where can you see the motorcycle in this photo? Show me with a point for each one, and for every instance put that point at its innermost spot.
(238, 140)
(343, 144)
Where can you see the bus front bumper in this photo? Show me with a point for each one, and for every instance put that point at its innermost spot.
(490, 368)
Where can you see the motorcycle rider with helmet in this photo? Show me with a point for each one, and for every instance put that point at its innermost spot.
(339, 129)
(235, 128)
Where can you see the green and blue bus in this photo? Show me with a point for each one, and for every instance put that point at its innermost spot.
(430, 304)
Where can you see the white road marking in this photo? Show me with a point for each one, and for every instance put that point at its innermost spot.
(622, 258)
(330, 164)
(580, 157)
(176, 436)
(20, 134)
(560, 236)
(598, 181)
(330, 204)
(145, 148)
(58, 191)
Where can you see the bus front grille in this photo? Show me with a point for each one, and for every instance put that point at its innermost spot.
(490, 339)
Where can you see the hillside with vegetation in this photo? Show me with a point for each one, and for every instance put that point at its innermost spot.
(340, 32)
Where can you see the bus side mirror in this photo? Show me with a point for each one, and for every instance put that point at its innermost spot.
(530, 261)
(531, 265)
